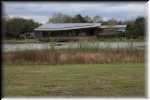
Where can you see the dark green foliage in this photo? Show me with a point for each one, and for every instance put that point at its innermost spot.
(79, 19)
(140, 26)
(131, 30)
(88, 19)
(97, 19)
(112, 22)
(14, 27)
(60, 18)
(136, 29)
(63, 18)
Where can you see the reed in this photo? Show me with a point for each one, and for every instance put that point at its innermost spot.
(72, 56)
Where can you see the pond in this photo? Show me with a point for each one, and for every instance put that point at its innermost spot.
(65, 45)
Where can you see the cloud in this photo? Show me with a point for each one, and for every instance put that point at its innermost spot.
(40, 11)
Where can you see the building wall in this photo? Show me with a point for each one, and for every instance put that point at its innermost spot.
(110, 31)
(79, 33)
(67, 33)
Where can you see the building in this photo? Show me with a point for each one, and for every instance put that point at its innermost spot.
(76, 31)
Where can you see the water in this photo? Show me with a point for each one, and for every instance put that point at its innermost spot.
(40, 46)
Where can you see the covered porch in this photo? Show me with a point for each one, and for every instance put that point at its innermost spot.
(68, 35)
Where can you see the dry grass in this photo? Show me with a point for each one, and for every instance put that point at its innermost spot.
(76, 56)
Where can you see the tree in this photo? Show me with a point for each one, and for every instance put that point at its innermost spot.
(112, 21)
(60, 18)
(79, 19)
(97, 19)
(136, 28)
(16, 26)
(130, 30)
(63, 18)
(88, 19)
(140, 26)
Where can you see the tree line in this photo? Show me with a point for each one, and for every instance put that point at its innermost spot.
(14, 27)
(136, 28)
(63, 18)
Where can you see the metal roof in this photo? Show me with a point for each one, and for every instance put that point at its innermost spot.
(71, 26)
(66, 26)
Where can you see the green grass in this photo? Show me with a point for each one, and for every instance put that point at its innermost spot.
(74, 80)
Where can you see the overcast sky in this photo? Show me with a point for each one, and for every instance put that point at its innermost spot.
(40, 11)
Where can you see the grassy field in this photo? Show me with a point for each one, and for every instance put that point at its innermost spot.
(74, 80)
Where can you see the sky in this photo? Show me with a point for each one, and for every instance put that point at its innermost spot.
(41, 11)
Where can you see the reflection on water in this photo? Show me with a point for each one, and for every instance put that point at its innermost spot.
(35, 46)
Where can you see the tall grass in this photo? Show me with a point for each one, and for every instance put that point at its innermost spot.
(79, 55)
